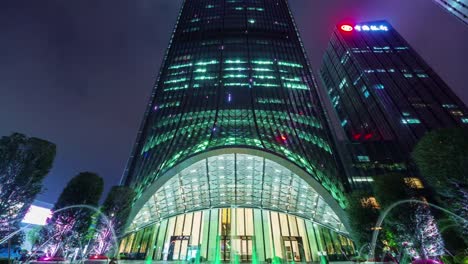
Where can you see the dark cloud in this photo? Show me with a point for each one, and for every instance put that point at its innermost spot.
(79, 73)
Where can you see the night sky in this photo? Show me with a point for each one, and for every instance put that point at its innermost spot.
(79, 73)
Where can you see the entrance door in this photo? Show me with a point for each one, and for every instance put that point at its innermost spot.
(225, 247)
(236, 247)
(245, 250)
(178, 248)
(294, 249)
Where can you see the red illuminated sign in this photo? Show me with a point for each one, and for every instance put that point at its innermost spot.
(346, 28)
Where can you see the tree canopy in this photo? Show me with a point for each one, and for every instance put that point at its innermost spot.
(118, 205)
(68, 227)
(362, 217)
(442, 158)
(24, 163)
(84, 189)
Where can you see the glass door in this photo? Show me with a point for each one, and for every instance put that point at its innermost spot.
(293, 249)
(178, 248)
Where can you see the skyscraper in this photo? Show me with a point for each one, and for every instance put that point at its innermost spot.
(458, 8)
(385, 96)
(234, 158)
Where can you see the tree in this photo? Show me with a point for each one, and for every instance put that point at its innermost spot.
(412, 224)
(68, 228)
(24, 163)
(390, 188)
(362, 216)
(427, 235)
(116, 207)
(442, 158)
(32, 236)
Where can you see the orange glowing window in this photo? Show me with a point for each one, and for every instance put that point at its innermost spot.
(370, 202)
(414, 183)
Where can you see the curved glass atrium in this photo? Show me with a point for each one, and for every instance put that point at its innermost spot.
(236, 206)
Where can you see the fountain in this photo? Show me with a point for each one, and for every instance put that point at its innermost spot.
(80, 252)
(385, 213)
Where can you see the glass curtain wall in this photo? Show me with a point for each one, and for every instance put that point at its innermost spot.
(386, 97)
(235, 75)
(239, 235)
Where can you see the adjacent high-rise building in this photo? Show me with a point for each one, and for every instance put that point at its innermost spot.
(458, 8)
(385, 96)
(234, 159)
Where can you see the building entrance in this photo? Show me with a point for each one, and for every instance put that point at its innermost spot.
(178, 248)
(239, 247)
(293, 248)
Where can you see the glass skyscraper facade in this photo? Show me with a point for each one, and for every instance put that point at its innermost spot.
(385, 97)
(234, 161)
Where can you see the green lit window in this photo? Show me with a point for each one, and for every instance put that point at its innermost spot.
(363, 158)
(410, 121)
(269, 101)
(235, 76)
(209, 6)
(262, 69)
(464, 120)
(266, 84)
(289, 64)
(236, 84)
(203, 63)
(295, 79)
(175, 88)
(236, 69)
(296, 86)
(269, 77)
(343, 83)
(251, 21)
(177, 73)
(255, 9)
(335, 100)
(262, 62)
(203, 77)
(178, 66)
(236, 61)
(170, 104)
(176, 80)
(408, 75)
(422, 75)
